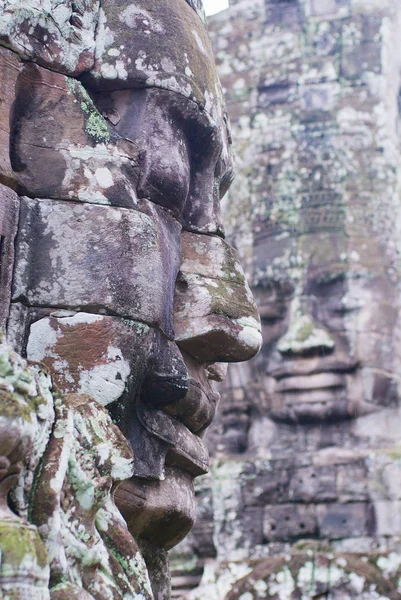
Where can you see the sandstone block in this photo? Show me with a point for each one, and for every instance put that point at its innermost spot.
(60, 36)
(119, 261)
(313, 484)
(216, 318)
(61, 144)
(343, 520)
(352, 482)
(361, 59)
(186, 68)
(9, 214)
(270, 488)
(285, 14)
(331, 8)
(252, 525)
(105, 357)
(387, 517)
(289, 522)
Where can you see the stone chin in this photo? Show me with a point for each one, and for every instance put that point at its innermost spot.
(163, 510)
(158, 502)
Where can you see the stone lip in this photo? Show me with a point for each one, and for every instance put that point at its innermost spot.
(313, 366)
(314, 390)
(185, 447)
(162, 510)
(197, 409)
(318, 381)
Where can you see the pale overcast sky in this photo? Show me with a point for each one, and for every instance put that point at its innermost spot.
(214, 6)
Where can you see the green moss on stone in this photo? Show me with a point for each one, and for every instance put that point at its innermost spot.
(18, 542)
(95, 124)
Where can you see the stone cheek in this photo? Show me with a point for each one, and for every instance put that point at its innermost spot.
(71, 264)
(61, 144)
(105, 357)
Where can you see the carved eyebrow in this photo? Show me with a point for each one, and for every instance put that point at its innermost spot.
(284, 287)
(328, 278)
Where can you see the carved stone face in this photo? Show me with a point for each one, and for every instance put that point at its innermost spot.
(330, 319)
(129, 292)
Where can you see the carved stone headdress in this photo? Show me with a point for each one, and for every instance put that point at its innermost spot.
(198, 6)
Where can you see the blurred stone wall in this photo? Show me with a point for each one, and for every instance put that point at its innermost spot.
(307, 454)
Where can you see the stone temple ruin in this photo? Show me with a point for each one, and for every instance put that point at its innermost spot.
(117, 286)
(122, 302)
(303, 499)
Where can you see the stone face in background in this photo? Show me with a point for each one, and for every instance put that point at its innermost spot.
(314, 213)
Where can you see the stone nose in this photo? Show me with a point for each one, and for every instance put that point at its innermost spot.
(304, 335)
(215, 316)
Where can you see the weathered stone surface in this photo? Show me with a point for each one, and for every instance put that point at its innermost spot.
(74, 266)
(215, 315)
(10, 66)
(151, 56)
(60, 37)
(289, 522)
(104, 357)
(77, 496)
(344, 520)
(74, 525)
(307, 431)
(313, 485)
(315, 572)
(9, 215)
(61, 144)
(24, 569)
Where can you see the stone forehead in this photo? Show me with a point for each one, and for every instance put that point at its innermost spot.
(137, 47)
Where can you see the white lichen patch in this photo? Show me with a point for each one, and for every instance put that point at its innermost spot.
(250, 335)
(282, 583)
(104, 177)
(106, 382)
(390, 564)
(42, 336)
